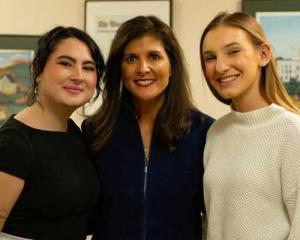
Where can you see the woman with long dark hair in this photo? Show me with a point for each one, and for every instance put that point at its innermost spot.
(147, 139)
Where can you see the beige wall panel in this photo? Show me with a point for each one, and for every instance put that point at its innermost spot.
(189, 20)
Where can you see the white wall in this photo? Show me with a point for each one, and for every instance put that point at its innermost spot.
(189, 19)
(38, 16)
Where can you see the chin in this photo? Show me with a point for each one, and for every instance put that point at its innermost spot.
(227, 96)
(144, 98)
(74, 105)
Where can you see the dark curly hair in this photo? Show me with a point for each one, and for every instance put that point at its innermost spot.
(47, 45)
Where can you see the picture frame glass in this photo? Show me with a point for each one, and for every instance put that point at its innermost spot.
(281, 21)
(16, 54)
(282, 30)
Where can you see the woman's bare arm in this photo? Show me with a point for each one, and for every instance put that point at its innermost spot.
(10, 190)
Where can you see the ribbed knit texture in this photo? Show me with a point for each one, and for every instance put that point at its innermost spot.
(252, 176)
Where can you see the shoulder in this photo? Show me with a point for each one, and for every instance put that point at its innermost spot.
(289, 125)
(220, 124)
(16, 150)
(292, 121)
(15, 131)
(11, 123)
(286, 126)
(87, 126)
(12, 138)
(87, 131)
(199, 118)
(72, 126)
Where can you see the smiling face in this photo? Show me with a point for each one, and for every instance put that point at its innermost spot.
(233, 64)
(69, 76)
(146, 69)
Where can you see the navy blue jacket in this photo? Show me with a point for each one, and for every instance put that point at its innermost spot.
(162, 204)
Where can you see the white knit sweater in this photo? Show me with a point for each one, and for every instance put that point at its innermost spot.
(252, 176)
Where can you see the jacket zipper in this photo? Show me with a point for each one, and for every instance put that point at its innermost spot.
(146, 163)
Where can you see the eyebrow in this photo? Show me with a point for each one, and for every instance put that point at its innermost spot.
(74, 60)
(231, 44)
(133, 53)
(224, 47)
(128, 54)
(155, 51)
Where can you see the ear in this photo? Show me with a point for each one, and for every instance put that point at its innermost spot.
(39, 78)
(265, 53)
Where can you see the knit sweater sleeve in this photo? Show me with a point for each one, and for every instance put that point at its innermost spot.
(290, 177)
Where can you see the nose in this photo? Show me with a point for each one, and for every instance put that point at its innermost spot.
(143, 67)
(221, 65)
(77, 74)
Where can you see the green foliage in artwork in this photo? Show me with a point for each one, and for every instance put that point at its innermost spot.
(14, 86)
(293, 87)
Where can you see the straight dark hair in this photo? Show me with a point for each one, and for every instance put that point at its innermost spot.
(174, 115)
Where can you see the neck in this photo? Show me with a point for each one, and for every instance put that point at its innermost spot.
(249, 106)
(148, 110)
(250, 102)
(45, 118)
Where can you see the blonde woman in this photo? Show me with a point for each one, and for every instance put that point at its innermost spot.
(252, 154)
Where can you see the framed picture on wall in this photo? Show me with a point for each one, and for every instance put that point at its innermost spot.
(103, 18)
(16, 54)
(280, 21)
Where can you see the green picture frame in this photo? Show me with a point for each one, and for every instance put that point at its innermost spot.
(19, 41)
(16, 54)
(253, 6)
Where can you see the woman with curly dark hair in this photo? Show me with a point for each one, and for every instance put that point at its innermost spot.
(48, 185)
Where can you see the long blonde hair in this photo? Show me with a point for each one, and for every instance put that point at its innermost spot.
(274, 90)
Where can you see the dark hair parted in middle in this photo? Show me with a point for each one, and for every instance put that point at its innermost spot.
(47, 45)
(174, 118)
